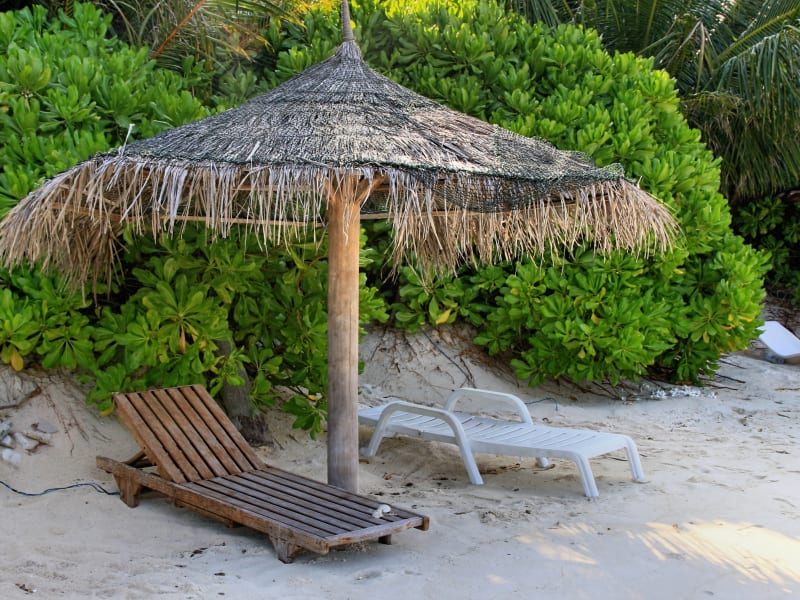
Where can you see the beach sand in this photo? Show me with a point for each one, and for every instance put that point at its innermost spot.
(716, 518)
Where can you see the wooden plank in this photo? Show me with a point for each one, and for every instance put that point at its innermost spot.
(341, 512)
(177, 443)
(148, 441)
(313, 486)
(322, 490)
(207, 513)
(188, 494)
(235, 437)
(187, 435)
(154, 418)
(223, 439)
(265, 507)
(140, 460)
(301, 529)
(285, 550)
(309, 494)
(129, 490)
(328, 509)
(257, 491)
(198, 415)
(354, 503)
(198, 452)
(272, 527)
(283, 535)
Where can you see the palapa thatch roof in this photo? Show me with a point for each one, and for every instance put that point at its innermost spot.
(456, 188)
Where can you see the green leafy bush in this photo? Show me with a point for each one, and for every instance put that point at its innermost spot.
(586, 317)
(69, 90)
(773, 224)
(189, 295)
(41, 321)
(18, 329)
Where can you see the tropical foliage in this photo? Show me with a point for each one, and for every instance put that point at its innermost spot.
(737, 68)
(212, 30)
(584, 318)
(69, 89)
(773, 223)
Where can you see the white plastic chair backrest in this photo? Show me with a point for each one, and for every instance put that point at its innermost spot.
(463, 393)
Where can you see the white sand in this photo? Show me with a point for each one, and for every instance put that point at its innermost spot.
(718, 517)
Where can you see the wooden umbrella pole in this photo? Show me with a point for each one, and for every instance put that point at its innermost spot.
(344, 228)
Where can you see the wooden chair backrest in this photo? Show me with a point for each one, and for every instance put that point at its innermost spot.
(185, 433)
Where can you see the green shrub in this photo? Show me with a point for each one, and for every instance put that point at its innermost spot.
(586, 317)
(270, 305)
(19, 331)
(40, 321)
(69, 90)
(773, 224)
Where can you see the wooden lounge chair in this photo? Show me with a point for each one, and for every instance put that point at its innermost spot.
(192, 453)
(476, 434)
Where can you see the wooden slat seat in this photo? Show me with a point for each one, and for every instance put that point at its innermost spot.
(203, 463)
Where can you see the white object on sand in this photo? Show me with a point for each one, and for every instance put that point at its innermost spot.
(11, 457)
(25, 442)
(784, 346)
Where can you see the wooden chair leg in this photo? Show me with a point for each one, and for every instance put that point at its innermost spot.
(285, 550)
(129, 490)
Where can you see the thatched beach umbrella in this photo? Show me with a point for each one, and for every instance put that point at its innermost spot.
(333, 143)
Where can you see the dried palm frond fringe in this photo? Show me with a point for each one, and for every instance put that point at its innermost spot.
(73, 222)
(456, 188)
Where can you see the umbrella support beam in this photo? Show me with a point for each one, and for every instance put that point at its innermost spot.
(344, 228)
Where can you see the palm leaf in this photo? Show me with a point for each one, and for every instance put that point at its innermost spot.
(770, 19)
(767, 74)
(543, 11)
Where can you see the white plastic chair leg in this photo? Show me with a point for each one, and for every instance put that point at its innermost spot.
(637, 472)
(384, 426)
(587, 477)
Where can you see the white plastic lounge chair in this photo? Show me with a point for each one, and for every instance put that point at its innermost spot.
(477, 434)
(783, 344)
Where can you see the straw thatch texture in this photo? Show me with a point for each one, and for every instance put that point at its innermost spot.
(456, 188)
